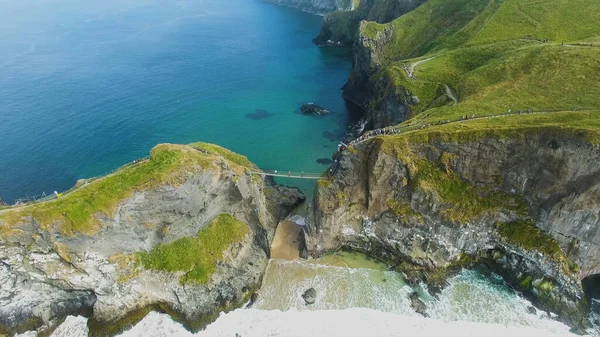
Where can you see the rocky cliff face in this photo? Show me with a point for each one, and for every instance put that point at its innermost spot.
(383, 103)
(341, 27)
(527, 206)
(316, 6)
(46, 274)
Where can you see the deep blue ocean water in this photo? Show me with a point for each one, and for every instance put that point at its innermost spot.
(87, 86)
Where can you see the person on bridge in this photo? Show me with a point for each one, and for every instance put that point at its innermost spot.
(302, 174)
(289, 174)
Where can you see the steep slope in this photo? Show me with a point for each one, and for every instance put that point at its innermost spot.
(186, 232)
(341, 27)
(521, 195)
(504, 51)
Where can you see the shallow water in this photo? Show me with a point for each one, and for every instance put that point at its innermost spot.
(86, 87)
(358, 302)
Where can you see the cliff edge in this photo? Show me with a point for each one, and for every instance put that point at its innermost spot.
(186, 232)
(520, 195)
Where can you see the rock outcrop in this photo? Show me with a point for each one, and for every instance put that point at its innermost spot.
(310, 296)
(527, 206)
(384, 104)
(313, 109)
(121, 269)
(341, 27)
(315, 6)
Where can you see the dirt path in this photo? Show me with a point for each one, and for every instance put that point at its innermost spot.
(410, 71)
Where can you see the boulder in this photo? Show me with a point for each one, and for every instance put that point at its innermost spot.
(417, 304)
(313, 109)
(310, 296)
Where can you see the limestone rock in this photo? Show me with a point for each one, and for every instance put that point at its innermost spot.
(417, 304)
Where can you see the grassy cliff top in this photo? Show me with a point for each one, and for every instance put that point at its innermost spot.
(485, 57)
(580, 124)
(449, 24)
(168, 164)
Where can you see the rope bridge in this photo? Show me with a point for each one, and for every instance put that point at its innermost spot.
(294, 175)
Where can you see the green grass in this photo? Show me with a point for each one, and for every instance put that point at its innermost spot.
(197, 256)
(429, 27)
(528, 236)
(464, 202)
(555, 20)
(490, 52)
(493, 79)
(580, 124)
(74, 213)
(402, 209)
(440, 25)
(232, 157)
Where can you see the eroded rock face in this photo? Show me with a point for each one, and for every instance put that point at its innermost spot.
(366, 62)
(46, 275)
(376, 204)
(383, 103)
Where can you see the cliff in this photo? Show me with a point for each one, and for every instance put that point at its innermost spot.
(516, 194)
(185, 232)
(479, 57)
(342, 26)
(317, 6)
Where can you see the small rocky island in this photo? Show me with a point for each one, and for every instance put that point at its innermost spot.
(313, 109)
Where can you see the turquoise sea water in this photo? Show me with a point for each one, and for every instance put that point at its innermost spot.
(88, 86)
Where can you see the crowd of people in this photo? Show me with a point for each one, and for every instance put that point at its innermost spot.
(375, 133)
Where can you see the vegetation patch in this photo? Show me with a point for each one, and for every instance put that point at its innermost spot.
(465, 201)
(324, 183)
(527, 235)
(230, 156)
(580, 124)
(402, 209)
(197, 256)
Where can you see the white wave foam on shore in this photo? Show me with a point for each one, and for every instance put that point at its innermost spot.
(319, 323)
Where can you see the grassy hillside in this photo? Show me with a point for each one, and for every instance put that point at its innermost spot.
(168, 165)
(494, 56)
(449, 24)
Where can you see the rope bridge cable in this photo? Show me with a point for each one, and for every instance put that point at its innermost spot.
(294, 175)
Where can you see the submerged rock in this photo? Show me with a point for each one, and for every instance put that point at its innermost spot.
(313, 109)
(259, 114)
(417, 304)
(310, 296)
(324, 161)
